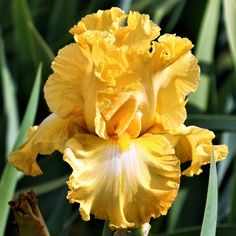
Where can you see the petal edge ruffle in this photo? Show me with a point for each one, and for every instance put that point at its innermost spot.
(125, 187)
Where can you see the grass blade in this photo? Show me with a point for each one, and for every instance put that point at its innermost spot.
(9, 100)
(163, 8)
(213, 122)
(29, 43)
(175, 211)
(125, 5)
(174, 18)
(205, 51)
(230, 23)
(232, 206)
(222, 230)
(10, 175)
(210, 213)
(106, 231)
(227, 138)
(38, 38)
(31, 109)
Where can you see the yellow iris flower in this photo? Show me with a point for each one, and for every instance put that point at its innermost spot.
(118, 97)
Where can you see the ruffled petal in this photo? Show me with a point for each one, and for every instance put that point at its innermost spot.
(178, 75)
(139, 32)
(195, 145)
(67, 86)
(49, 136)
(107, 20)
(124, 181)
(116, 110)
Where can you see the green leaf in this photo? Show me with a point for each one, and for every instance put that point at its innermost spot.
(205, 52)
(213, 122)
(175, 211)
(230, 23)
(210, 214)
(42, 188)
(60, 213)
(228, 138)
(232, 207)
(222, 230)
(125, 5)
(29, 43)
(106, 231)
(31, 109)
(163, 9)
(9, 100)
(42, 44)
(10, 174)
(70, 17)
(173, 20)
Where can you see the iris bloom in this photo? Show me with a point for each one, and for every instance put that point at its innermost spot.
(117, 97)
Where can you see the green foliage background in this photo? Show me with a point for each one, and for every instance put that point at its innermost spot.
(31, 32)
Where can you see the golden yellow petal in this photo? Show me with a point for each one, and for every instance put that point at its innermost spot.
(67, 86)
(139, 32)
(195, 145)
(126, 186)
(108, 20)
(174, 83)
(49, 136)
(116, 111)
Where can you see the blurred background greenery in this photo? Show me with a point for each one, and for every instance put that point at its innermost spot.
(33, 31)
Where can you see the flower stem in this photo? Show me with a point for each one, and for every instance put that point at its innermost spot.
(143, 230)
(106, 231)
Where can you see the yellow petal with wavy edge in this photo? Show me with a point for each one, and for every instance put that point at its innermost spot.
(180, 75)
(108, 20)
(49, 136)
(116, 110)
(126, 182)
(68, 85)
(194, 144)
(139, 32)
(137, 35)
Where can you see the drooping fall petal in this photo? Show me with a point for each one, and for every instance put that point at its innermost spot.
(194, 144)
(49, 136)
(126, 182)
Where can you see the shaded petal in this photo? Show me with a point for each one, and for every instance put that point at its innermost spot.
(117, 109)
(195, 144)
(66, 87)
(126, 185)
(174, 83)
(49, 136)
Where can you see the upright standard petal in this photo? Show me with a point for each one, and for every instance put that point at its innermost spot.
(194, 144)
(124, 181)
(68, 85)
(108, 20)
(138, 34)
(177, 74)
(49, 136)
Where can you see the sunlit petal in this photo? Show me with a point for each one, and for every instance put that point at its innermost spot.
(65, 88)
(49, 136)
(195, 145)
(125, 185)
(178, 74)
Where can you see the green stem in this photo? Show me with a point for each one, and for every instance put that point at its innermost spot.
(143, 230)
(106, 231)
